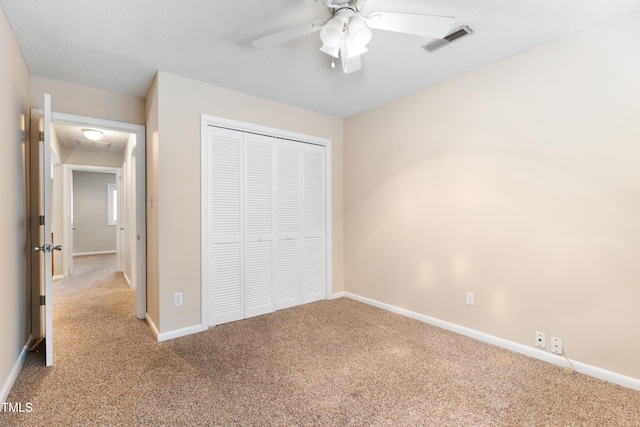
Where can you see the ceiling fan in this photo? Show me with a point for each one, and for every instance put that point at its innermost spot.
(346, 34)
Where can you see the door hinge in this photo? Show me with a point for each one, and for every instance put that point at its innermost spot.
(41, 219)
(42, 300)
(41, 134)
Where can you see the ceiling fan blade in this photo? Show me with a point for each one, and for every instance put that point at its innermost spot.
(287, 35)
(408, 23)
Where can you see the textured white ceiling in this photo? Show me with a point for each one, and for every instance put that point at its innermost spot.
(118, 45)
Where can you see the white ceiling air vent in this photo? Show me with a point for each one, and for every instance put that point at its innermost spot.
(454, 35)
(102, 144)
(86, 143)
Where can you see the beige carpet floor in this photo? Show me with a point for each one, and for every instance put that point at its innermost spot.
(331, 363)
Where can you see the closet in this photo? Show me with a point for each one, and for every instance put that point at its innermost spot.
(265, 226)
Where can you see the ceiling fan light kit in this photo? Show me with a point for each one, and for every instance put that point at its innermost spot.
(347, 33)
(345, 30)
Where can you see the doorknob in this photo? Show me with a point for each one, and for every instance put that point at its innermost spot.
(74, 228)
(46, 248)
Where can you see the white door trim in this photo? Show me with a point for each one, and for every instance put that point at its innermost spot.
(206, 121)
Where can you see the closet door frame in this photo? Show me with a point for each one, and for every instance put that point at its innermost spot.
(205, 122)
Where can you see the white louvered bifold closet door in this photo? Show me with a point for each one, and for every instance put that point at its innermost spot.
(226, 296)
(288, 206)
(259, 204)
(313, 224)
(265, 224)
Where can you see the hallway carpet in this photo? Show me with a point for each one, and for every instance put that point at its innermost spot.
(330, 363)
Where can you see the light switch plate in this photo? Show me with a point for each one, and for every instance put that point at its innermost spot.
(470, 299)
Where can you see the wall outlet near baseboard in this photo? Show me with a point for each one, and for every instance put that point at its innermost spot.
(177, 299)
(541, 340)
(556, 345)
(470, 299)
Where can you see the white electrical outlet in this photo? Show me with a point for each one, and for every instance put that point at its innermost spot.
(177, 299)
(470, 299)
(556, 345)
(541, 340)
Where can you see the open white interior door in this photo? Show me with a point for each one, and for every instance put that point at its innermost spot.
(43, 245)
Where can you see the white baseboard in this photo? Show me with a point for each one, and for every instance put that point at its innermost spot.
(94, 253)
(164, 336)
(152, 325)
(594, 371)
(337, 295)
(126, 278)
(8, 384)
(58, 277)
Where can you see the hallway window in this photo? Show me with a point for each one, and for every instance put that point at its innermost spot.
(112, 204)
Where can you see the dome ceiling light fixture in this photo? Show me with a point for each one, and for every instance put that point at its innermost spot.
(92, 134)
(346, 34)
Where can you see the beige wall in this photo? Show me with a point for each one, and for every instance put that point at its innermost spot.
(14, 119)
(180, 103)
(87, 101)
(519, 182)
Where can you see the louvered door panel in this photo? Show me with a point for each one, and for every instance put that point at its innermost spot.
(314, 283)
(259, 185)
(225, 213)
(259, 189)
(313, 224)
(288, 210)
(288, 290)
(259, 290)
(225, 289)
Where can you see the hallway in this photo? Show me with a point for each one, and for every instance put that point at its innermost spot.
(88, 307)
(95, 284)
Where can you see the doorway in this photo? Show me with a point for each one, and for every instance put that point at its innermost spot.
(118, 153)
(93, 216)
